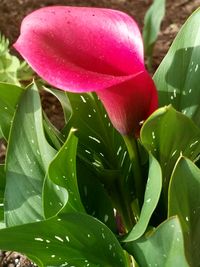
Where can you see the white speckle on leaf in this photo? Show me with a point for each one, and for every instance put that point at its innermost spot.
(57, 187)
(103, 235)
(39, 239)
(106, 218)
(83, 99)
(59, 238)
(64, 264)
(118, 151)
(174, 93)
(196, 67)
(174, 153)
(95, 139)
(148, 200)
(67, 238)
(194, 143)
(124, 156)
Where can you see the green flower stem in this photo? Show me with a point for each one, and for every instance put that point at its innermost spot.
(123, 206)
(131, 144)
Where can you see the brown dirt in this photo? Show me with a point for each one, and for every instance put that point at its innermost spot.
(13, 11)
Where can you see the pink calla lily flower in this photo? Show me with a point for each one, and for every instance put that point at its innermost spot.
(80, 49)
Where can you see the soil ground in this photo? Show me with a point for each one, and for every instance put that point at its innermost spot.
(13, 11)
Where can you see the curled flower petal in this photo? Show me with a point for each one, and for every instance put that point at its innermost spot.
(81, 49)
(131, 102)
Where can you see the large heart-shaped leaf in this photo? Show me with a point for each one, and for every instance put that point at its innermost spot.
(61, 189)
(28, 157)
(151, 198)
(178, 76)
(162, 247)
(9, 98)
(71, 239)
(184, 201)
(167, 134)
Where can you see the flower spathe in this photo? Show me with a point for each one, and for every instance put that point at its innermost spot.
(80, 49)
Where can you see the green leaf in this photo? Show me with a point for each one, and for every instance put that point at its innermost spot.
(24, 72)
(28, 157)
(8, 68)
(151, 198)
(2, 177)
(53, 135)
(167, 134)
(68, 240)
(95, 131)
(152, 22)
(4, 43)
(99, 143)
(184, 201)
(177, 77)
(9, 64)
(162, 247)
(63, 99)
(9, 98)
(61, 190)
(2, 189)
(97, 204)
(102, 148)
